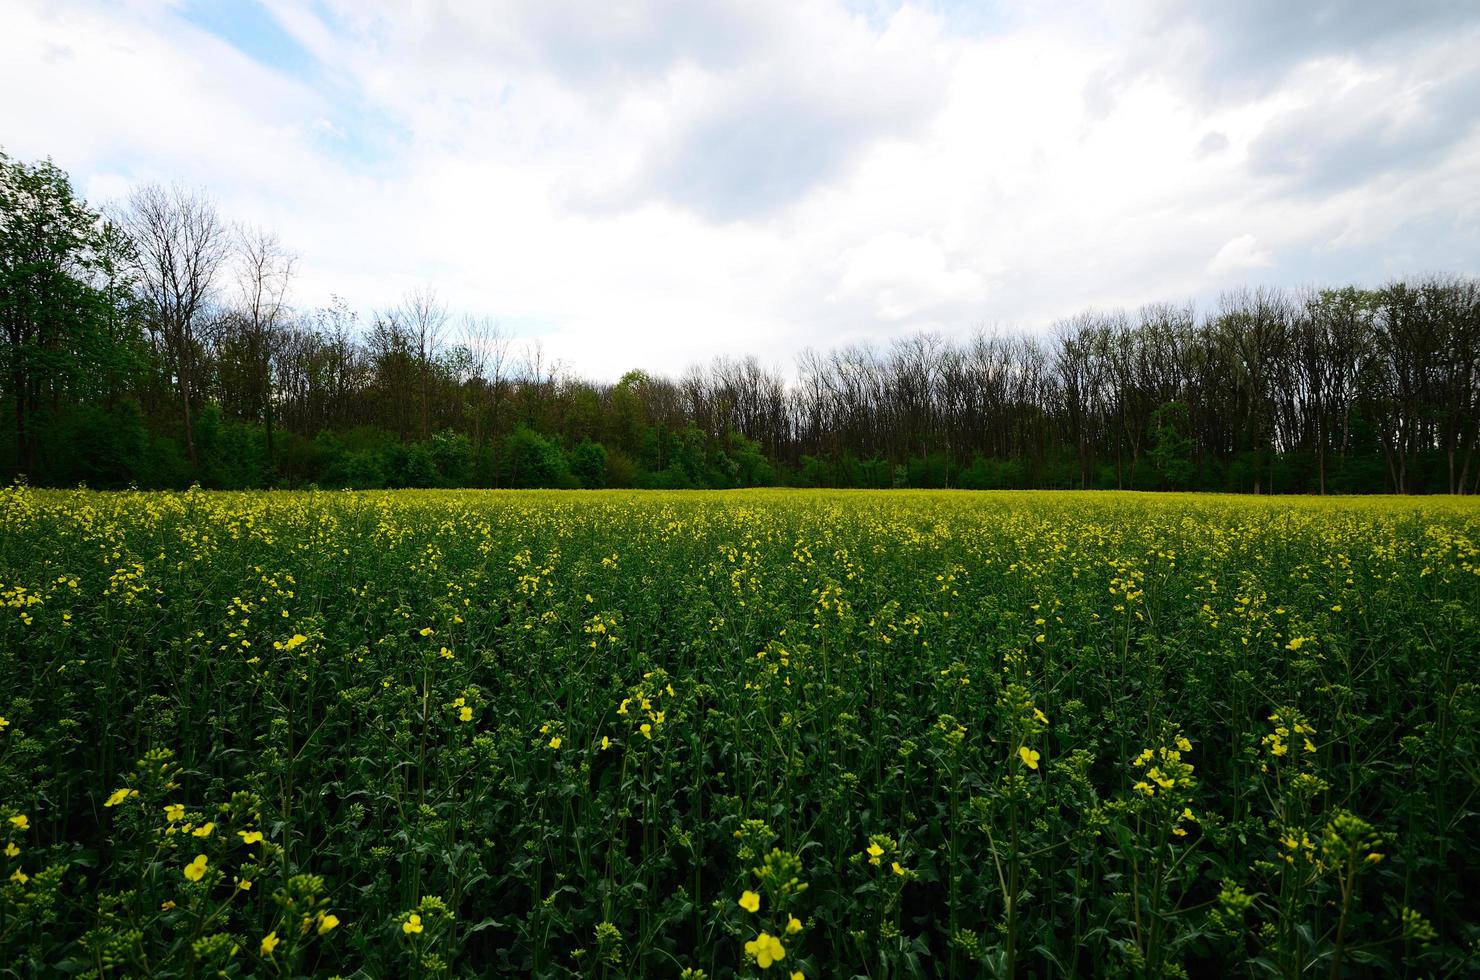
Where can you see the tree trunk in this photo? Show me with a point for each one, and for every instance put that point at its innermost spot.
(185, 406)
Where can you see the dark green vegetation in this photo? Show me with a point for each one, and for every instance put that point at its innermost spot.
(160, 349)
(615, 734)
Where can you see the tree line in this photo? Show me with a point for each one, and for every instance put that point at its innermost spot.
(154, 343)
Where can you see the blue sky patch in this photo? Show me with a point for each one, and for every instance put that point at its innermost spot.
(250, 27)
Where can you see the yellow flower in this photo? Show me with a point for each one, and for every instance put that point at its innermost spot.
(245, 884)
(196, 870)
(793, 925)
(647, 731)
(426, 631)
(766, 949)
(750, 901)
(119, 795)
(897, 869)
(412, 925)
(606, 743)
(11, 850)
(249, 836)
(204, 830)
(555, 742)
(327, 923)
(166, 905)
(465, 713)
(1042, 718)
(270, 943)
(19, 877)
(874, 853)
(4, 723)
(797, 975)
(446, 653)
(1029, 757)
(174, 811)
(21, 822)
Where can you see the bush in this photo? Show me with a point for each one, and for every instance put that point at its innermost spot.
(356, 471)
(752, 469)
(409, 466)
(588, 464)
(451, 454)
(101, 447)
(531, 460)
(621, 471)
(232, 455)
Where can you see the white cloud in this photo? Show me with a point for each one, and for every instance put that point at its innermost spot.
(1238, 254)
(899, 278)
(656, 183)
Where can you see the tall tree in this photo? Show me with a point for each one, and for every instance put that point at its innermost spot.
(264, 271)
(64, 341)
(180, 245)
(424, 316)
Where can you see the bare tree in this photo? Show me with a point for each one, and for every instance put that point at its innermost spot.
(424, 316)
(264, 271)
(180, 244)
(488, 346)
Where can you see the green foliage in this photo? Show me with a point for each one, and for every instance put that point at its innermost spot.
(70, 331)
(992, 474)
(232, 456)
(588, 463)
(87, 444)
(531, 460)
(409, 465)
(451, 454)
(621, 470)
(1171, 446)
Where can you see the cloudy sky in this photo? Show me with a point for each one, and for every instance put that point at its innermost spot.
(655, 182)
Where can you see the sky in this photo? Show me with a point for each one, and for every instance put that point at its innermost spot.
(657, 182)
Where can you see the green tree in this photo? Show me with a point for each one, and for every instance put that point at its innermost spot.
(588, 464)
(1171, 447)
(531, 460)
(66, 342)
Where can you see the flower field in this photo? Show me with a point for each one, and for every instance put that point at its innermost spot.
(759, 733)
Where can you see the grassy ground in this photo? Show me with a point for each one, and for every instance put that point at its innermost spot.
(748, 733)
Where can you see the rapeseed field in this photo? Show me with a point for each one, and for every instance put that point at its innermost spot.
(761, 733)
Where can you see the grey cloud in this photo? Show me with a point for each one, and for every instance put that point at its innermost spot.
(641, 40)
(1367, 131)
(1247, 47)
(581, 45)
(759, 102)
(793, 117)
(1427, 244)
(1212, 142)
(764, 152)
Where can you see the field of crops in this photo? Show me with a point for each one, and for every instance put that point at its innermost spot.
(817, 734)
